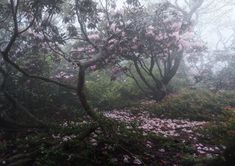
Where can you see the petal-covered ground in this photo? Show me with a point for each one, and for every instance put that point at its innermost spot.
(183, 130)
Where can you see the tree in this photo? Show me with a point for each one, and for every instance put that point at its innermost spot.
(215, 70)
(148, 41)
(154, 43)
(103, 35)
(45, 27)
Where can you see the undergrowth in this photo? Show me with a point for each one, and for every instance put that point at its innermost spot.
(195, 105)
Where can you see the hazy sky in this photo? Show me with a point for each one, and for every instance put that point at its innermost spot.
(216, 22)
(216, 19)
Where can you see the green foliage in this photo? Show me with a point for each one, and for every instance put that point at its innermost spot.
(45, 101)
(3, 147)
(102, 92)
(177, 84)
(222, 133)
(110, 150)
(195, 105)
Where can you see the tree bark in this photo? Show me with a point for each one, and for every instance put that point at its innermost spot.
(82, 96)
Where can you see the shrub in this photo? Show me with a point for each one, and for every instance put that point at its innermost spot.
(104, 93)
(222, 133)
(177, 84)
(195, 105)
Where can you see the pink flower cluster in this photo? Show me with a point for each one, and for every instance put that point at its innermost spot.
(165, 127)
(178, 128)
(63, 75)
(203, 149)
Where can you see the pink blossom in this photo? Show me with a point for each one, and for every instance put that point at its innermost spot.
(113, 41)
(28, 81)
(150, 27)
(94, 36)
(229, 108)
(158, 37)
(91, 50)
(176, 26)
(190, 29)
(111, 46)
(118, 30)
(80, 49)
(121, 12)
(128, 22)
(123, 34)
(93, 67)
(134, 46)
(187, 35)
(185, 44)
(180, 47)
(150, 33)
(167, 127)
(135, 39)
(113, 27)
(197, 44)
(93, 142)
(176, 35)
(161, 36)
(137, 161)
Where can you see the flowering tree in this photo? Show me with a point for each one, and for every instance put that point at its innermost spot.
(44, 28)
(151, 43)
(158, 46)
(101, 34)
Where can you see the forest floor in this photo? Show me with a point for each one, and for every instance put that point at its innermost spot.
(137, 136)
(185, 131)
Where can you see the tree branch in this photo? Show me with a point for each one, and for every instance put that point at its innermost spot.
(6, 58)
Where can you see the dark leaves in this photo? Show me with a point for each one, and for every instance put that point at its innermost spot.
(135, 3)
(72, 30)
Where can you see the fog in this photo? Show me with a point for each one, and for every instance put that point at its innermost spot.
(126, 82)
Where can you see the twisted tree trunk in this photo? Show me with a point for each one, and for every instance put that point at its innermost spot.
(82, 96)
